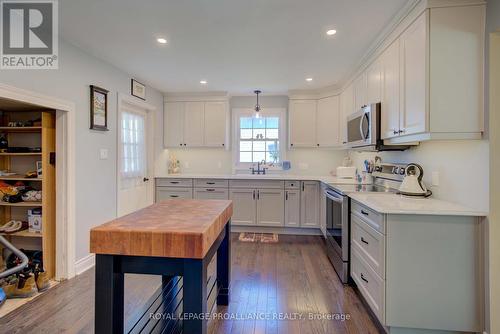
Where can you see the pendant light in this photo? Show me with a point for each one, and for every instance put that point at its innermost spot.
(257, 106)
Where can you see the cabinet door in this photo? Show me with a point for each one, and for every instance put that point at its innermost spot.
(270, 207)
(302, 123)
(164, 193)
(194, 122)
(390, 92)
(360, 91)
(347, 107)
(173, 124)
(309, 204)
(413, 57)
(327, 122)
(211, 193)
(216, 123)
(374, 77)
(244, 206)
(292, 208)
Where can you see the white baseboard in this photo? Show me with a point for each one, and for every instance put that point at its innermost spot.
(84, 264)
(279, 230)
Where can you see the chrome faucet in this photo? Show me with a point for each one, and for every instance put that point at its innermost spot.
(259, 170)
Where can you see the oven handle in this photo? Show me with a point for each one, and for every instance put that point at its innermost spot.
(333, 197)
(363, 135)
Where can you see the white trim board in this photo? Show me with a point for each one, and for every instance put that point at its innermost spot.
(65, 172)
(84, 264)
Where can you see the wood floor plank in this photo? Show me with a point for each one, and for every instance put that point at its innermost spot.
(291, 276)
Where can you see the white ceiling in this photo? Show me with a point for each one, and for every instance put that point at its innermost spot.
(236, 45)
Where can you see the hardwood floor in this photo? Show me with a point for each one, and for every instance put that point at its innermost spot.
(290, 278)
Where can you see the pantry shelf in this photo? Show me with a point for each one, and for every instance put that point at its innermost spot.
(24, 233)
(24, 204)
(20, 178)
(21, 154)
(25, 129)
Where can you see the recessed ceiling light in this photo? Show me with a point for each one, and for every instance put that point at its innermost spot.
(309, 79)
(161, 40)
(203, 82)
(331, 32)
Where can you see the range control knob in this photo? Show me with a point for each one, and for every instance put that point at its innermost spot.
(395, 170)
(402, 171)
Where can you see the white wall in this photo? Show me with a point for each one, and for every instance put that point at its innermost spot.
(462, 166)
(219, 161)
(95, 179)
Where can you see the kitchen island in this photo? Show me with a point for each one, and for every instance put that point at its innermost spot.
(174, 238)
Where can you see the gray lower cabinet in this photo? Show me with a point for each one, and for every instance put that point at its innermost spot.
(309, 204)
(270, 207)
(322, 210)
(211, 193)
(244, 206)
(163, 193)
(292, 208)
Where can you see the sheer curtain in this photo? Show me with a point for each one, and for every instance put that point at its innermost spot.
(133, 166)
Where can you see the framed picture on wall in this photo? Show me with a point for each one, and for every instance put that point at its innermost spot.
(138, 89)
(98, 108)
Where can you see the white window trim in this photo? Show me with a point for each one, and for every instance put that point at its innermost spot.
(236, 113)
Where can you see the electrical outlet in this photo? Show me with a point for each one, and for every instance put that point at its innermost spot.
(435, 179)
(103, 154)
(186, 164)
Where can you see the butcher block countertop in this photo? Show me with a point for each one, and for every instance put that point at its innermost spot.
(179, 228)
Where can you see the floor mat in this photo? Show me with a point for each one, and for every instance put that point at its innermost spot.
(258, 237)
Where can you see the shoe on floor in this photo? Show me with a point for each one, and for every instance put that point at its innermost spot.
(25, 287)
(3, 297)
(42, 281)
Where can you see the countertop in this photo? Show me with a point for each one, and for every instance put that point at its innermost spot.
(391, 203)
(328, 179)
(181, 228)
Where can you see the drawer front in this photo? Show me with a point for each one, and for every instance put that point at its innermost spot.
(211, 193)
(164, 193)
(262, 184)
(211, 183)
(174, 182)
(371, 286)
(369, 216)
(292, 185)
(369, 243)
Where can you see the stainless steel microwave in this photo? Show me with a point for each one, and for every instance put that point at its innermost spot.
(363, 130)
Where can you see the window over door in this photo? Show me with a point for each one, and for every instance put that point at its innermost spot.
(258, 139)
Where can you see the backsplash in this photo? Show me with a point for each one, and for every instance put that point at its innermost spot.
(462, 167)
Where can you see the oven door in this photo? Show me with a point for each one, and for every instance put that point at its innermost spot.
(359, 128)
(337, 223)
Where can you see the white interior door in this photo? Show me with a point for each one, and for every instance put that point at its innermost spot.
(134, 159)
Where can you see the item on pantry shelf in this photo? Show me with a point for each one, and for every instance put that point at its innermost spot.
(4, 143)
(6, 173)
(32, 196)
(35, 220)
(8, 189)
(14, 226)
(31, 174)
(3, 297)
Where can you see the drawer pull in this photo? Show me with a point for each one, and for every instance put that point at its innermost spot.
(363, 278)
(286, 195)
(210, 182)
(364, 241)
(210, 189)
(174, 196)
(364, 212)
(174, 182)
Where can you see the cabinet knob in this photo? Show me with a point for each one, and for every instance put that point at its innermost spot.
(223, 144)
(317, 144)
(402, 131)
(291, 144)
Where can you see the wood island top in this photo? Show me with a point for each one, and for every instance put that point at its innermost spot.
(180, 228)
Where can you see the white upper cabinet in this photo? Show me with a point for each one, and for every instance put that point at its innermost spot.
(302, 123)
(327, 122)
(360, 91)
(374, 79)
(173, 124)
(390, 92)
(347, 108)
(413, 44)
(216, 124)
(429, 77)
(194, 121)
(196, 124)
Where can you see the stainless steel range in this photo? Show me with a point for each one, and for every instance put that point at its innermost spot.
(386, 178)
